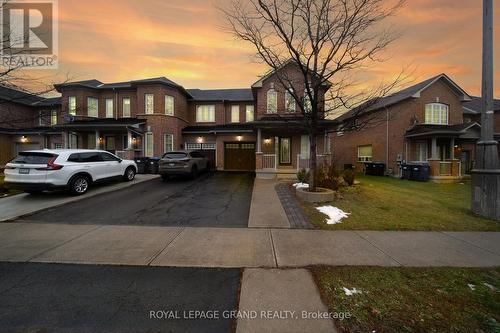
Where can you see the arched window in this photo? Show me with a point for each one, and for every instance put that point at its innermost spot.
(272, 101)
(436, 114)
(289, 102)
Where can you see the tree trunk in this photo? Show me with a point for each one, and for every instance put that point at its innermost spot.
(312, 160)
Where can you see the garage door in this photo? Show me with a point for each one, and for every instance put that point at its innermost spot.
(239, 156)
(26, 146)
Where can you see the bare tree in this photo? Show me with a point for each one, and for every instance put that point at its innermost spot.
(29, 88)
(328, 41)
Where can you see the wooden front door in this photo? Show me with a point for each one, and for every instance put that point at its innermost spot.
(239, 156)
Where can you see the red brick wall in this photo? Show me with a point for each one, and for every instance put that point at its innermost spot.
(401, 117)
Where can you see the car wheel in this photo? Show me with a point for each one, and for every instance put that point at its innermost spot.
(129, 174)
(79, 185)
(194, 172)
(165, 177)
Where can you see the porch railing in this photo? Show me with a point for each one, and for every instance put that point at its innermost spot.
(269, 161)
(446, 168)
(303, 163)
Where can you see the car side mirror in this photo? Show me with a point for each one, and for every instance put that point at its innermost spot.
(120, 160)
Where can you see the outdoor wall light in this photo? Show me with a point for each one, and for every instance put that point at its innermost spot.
(200, 139)
(100, 139)
(24, 139)
(239, 138)
(267, 141)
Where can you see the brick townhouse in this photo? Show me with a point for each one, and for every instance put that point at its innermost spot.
(258, 128)
(433, 122)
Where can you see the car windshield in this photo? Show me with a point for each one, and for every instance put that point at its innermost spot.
(32, 158)
(175, 156)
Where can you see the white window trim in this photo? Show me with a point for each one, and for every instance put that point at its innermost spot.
(53, 117)
(211, 120)
(165, 142)
(40, 118)
(149, 136)
(96, 109)
(292, 108)
(437, 107)
(235, 110)
(109, 115)
(424, 143)
(146, 95)
(71, 111)
(169, 112)
(365, 158)
(274, 108)
(249, 109)
(129, 107)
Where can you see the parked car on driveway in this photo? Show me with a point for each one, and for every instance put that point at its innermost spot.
(74, 169)
(182, 162)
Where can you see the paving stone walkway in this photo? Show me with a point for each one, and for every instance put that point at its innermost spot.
(293, 210)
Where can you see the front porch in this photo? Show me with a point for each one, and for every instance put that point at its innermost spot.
(122, 137)
(447, 149)
(283, 150)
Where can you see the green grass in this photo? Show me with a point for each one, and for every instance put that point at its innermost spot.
(412, 299)
(385, 203)
(4, 192)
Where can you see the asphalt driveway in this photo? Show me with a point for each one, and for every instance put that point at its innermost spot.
(87, 298)
(212, 200)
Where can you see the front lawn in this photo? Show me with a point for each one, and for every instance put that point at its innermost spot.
(412, 299)
(385, 203)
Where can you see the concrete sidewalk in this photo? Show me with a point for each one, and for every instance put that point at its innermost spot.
(238, 247)
(266, 210)
(22, 204)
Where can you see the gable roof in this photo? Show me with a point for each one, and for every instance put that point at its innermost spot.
(413, 91)
(474, 105)
(24, 98)
(235, 95)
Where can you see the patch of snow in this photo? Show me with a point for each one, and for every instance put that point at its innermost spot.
(489, 286)
(335, 215)
(301, 185)
(350, 292)
(471, 286)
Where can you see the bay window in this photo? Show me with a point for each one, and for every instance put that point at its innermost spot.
(169, 105)
(148, 103)
(72, 105)
(289, 102)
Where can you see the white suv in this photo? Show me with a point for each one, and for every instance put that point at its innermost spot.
(75, 169)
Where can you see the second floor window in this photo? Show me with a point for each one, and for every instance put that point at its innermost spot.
(72, 105)
(109, 108)
(307, 102)
(92, 107)
(235, 113)
(53, 117)
(249, 113)
(169, 105)
(126, 107)
(436, 114)
(272, 101)
(149, 103)
(289, 102)
(205, 113)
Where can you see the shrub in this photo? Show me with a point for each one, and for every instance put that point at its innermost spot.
(349, 176)
(328, 177)
(303, 175)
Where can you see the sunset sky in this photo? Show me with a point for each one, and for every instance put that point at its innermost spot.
(116, 40)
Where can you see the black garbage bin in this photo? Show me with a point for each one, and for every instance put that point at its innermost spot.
(142, 164)
(374, 168)
(154, 165)
(419, 172)
(348, 166)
